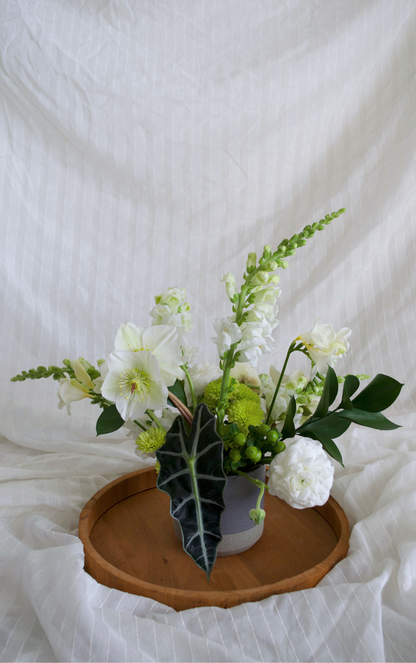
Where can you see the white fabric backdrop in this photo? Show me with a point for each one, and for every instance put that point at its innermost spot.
(151, 144)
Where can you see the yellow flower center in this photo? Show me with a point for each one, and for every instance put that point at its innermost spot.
(134, 384)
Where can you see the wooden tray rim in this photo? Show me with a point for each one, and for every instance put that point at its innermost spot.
(338, 553)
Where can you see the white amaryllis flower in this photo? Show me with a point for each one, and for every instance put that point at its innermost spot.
(325, 346)
(201, 375)
(162, 341)
(228, 333)
(302, 474)
(134, 383)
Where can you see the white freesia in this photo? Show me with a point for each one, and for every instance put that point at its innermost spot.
(134, 383)
(325, 346)
(228, 333)
(71, 390)
(161, 341)
(201, 375)
(302, 474)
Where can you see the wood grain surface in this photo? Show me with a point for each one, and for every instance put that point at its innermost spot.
(129, 544)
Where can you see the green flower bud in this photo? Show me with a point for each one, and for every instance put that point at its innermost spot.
(267, 251)
(271, 265)
(251, 261)
(261, 278)
(257, 515)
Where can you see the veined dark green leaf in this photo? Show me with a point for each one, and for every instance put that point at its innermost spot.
(288, 429)
(332, 425)
(329, 394)
(328, 444)
(370, 419)
(351, 385)
(378, 395)
(109, 421)
(191, 474)
(177, 390)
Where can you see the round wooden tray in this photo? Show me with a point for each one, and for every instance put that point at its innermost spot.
(130, 544)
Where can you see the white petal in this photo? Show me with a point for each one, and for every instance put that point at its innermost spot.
(129, 337)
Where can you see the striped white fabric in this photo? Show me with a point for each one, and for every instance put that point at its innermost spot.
(153, 144)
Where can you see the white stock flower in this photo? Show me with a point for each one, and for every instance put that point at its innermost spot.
(134, 383)
(172, 309)
(302, 474)
(228, 333)
(201, 375)
(325, 346)
(162, 341)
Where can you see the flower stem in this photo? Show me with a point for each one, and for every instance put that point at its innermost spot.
(289, 352)
(260, 485)
(152, 415)
(191, 386)
(139, 425)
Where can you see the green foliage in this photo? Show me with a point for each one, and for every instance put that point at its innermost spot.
(191, 473)
(109, 421)
(42, 372)
(364, 409)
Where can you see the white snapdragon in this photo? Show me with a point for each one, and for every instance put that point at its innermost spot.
(230, 287)
(302, 474)
(201, 375)
(253, 343)
(325, 346)
(161, 341)
(228, 334)
(134, 383)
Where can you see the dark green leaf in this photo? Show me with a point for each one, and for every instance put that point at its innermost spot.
(379, 394)
(191, 474)
(333, 426)
(351, 385)
(288, 429)
(328, 444)
(329, 394)
(177, 390)
(369, 419)
(109, 421)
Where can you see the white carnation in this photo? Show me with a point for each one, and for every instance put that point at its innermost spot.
(302, 474)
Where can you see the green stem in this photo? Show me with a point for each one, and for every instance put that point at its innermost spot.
(152, 415)
(139, 425)
(260, 485)
(229, 361)
(191, 386)
(289, 352)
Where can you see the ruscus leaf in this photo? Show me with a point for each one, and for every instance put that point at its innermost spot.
(370, 419)
(109, 421)
(329, 394)
(288, 429)
(378, 395)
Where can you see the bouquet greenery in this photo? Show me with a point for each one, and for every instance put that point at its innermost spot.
(230, 419)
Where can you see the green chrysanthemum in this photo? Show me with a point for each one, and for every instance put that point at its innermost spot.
(151, 440)
(212, 394)
(238, 391)
(244, 413)
(241, 391)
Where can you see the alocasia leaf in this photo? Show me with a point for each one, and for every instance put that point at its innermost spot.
(191, 474)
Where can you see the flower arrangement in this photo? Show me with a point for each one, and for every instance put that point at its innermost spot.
(203, 422)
